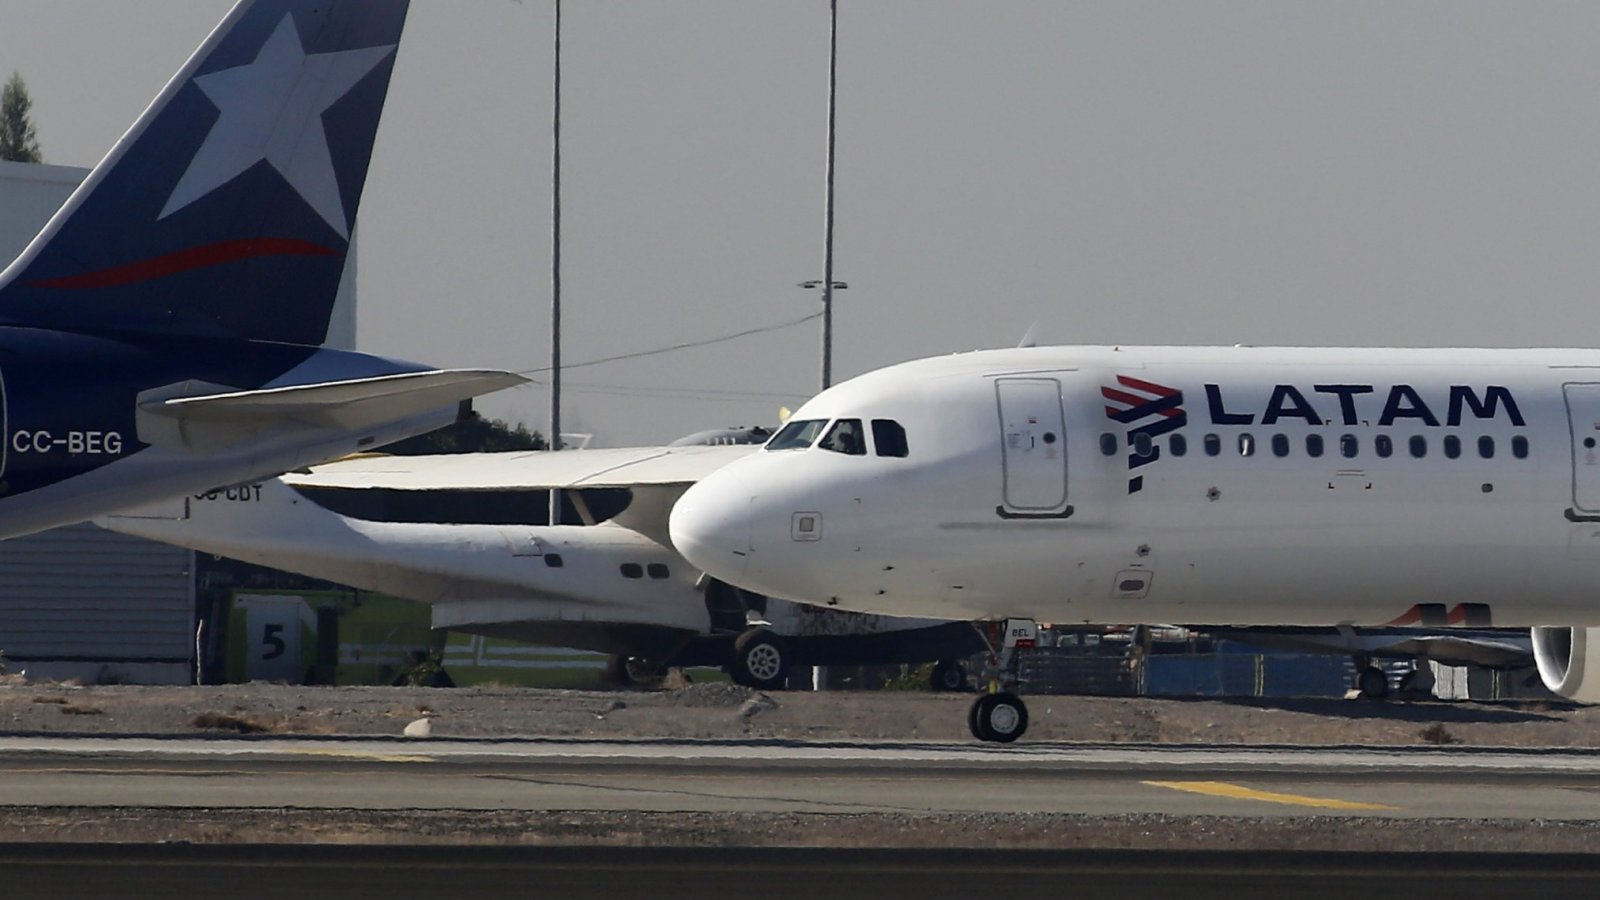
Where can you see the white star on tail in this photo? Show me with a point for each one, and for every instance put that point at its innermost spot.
(272, 110)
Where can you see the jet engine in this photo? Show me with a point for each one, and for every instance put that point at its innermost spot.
(1561, 653)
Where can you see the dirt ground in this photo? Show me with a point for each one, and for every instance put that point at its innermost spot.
(724, 710)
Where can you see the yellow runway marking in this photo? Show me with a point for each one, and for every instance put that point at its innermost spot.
(358, 754)
(1239, 792)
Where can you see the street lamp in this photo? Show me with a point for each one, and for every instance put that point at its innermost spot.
(827, 320)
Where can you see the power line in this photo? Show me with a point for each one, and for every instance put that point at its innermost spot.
(686, 345)
(625, 390)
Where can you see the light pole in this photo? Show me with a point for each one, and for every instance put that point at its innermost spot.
(553, 441)
(555, 247)
(827, 284)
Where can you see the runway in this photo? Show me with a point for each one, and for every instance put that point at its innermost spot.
(57, 871)
(802, 777)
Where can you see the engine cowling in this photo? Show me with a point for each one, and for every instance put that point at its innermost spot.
(1562, 654)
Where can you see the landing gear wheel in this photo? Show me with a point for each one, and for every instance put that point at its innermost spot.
(949, 675)
(1001, 718)
(632, 672)
(1372, 683)
(759, 660)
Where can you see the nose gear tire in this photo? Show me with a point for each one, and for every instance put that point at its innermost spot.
(1000, 718)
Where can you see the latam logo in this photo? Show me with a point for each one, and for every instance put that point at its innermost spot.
(1158, 407)
(1151, 410)
(1400, 401)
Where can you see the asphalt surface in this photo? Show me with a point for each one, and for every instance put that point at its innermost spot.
(798, 777)
(240, 873)
(571, 818)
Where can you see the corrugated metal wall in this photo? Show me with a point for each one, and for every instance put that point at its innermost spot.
(84, 594)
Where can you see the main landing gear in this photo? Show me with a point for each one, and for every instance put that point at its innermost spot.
(999, 715)
(1370, 681)
(949, 675)
(759, 660)
(633, 672)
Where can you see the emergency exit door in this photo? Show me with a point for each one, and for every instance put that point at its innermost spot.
(1033, 445)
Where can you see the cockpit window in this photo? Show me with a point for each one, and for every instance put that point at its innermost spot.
(797, 435)
(847, 437)
(889, 438)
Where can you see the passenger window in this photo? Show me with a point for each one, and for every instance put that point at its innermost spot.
(889, 438)
(1419, 446)
(1280, 445)
(845, 437)
(1384, 445)
(1486, 447)
(1142, 445)
(1452, 446)
(1519, 447)
(1247, 445)
(1177, 445)
(797, 435)
(657, 570)
(1108, 444)
(1213, 445)
(632, 570)
(1313, 445)
(1349, 446)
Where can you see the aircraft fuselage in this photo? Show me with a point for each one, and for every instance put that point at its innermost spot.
(1292, 486)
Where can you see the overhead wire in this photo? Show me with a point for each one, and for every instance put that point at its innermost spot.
(686, 345)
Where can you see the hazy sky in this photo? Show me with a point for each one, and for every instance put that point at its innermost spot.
(1241, 172)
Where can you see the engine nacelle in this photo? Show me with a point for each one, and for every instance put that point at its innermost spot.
(1561, 653)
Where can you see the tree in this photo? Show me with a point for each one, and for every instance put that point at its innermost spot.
(18, 141)
(469, 434)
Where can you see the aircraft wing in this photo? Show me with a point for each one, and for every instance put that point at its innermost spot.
(1449, 650)
(213, 420)
(526, 469)
(656, 476)
(1494, 648)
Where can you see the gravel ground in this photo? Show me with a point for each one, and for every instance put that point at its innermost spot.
(729, 711)
(693, 829)
(724, 710)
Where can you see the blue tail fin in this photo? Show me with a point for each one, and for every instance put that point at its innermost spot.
(226, 209)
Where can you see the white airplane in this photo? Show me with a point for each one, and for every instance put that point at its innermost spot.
(1193, 485)
(468, 535)
(163, 333)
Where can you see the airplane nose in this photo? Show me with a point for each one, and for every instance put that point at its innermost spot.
(711, 525)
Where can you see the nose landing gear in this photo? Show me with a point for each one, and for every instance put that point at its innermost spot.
(1000, 715)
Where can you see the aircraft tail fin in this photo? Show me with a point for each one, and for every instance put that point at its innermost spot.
(226, 210)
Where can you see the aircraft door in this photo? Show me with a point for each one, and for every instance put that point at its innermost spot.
(1583, 415)
(1033, 447)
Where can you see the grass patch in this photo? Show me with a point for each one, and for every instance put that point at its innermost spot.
(71, 710)
(58, 700)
